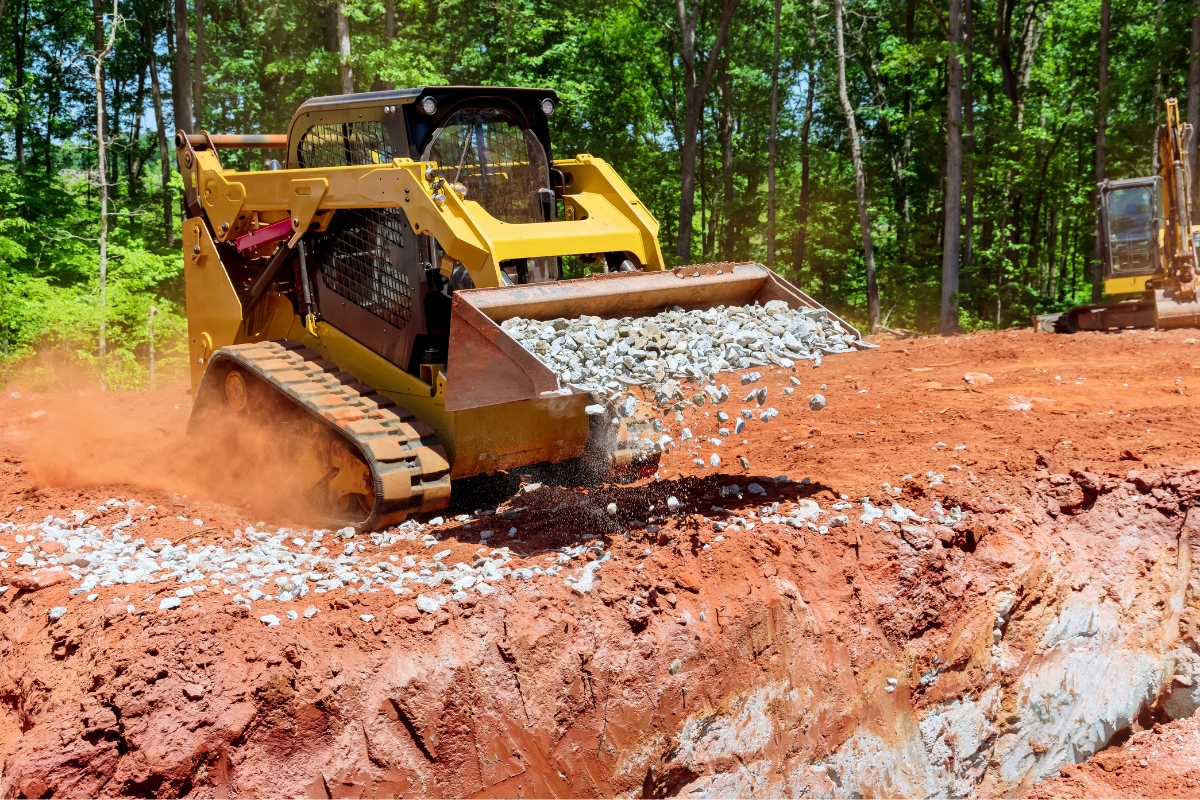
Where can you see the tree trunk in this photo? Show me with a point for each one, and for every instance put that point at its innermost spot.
(183, 69)
(343, 38)
(134, 160)
(695, 89)
(701, 171)
(1101, 124)
(1065, 258)
(1052, 255)
(968, 253)
(952, 230)
(802, 213)
(22, 101)
(772, 142)
(153, 311)
(727, 165)
(1193, 109)
(1158, 52)
(102, 101)
(160, 122)
(805, 130)
(389, 30)
(198, 86)
(860, 181)
(112, 124)
(53, 106)
(101, 53)
(903, 199)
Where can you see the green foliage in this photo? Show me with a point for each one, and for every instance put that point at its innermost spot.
(50, 309)
(1030, 125)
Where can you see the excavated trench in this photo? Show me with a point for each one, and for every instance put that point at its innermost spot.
(724, 646)
(860, 663)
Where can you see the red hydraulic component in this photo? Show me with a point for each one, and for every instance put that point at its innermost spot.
(271, 233)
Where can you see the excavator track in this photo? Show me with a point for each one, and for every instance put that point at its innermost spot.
(351, 454)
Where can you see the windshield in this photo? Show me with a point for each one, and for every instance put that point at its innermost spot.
(502, 164)
(1132, 231)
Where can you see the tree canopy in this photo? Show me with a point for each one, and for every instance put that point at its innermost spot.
(1031, 108)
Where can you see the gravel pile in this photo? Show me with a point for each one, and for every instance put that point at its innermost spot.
(280, 566)
(595, 354)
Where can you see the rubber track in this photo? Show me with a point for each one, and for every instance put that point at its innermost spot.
(407, 463)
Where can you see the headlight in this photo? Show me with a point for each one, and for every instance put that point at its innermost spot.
(547, 106)
(428, 106)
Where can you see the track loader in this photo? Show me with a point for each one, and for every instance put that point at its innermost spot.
(1148, 245)
(344, 304)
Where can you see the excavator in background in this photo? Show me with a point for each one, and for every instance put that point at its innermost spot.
(1148, 245)
(344, 307)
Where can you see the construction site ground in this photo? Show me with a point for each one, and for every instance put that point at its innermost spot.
(705, 659)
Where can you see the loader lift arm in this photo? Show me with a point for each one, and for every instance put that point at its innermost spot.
(603, 214)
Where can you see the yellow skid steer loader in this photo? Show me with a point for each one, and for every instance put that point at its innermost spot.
(346, 304)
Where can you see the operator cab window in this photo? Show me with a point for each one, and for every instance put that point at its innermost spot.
(503, 167)
(345, 144)
(1133, 230)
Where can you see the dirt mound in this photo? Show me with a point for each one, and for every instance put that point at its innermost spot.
(977, 584)
(1153, 763)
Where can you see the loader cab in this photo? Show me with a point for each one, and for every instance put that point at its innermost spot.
(1132, 228)
(373, 275)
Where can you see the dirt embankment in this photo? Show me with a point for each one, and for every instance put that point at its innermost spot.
(722, 649)
(1153, 763)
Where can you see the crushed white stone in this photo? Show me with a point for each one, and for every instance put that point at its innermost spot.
(261, 566)
(593, 354)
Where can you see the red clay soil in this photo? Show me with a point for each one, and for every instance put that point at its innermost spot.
(1163, 762)
(541, 691)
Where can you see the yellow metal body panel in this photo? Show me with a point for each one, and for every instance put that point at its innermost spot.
(269, 321)
(593, 176)
(606, 215)
(1133, 285)
(222, 197)
(513, 435)
(214, 311)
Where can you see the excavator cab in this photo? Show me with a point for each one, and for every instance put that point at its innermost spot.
(1132, 229)
(1148, 245)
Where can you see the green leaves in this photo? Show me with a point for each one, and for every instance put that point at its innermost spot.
(1030, 163)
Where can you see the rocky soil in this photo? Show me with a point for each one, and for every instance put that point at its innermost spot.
(1007, 590)
(1161, 762)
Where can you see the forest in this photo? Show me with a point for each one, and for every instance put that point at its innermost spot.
(916, 165)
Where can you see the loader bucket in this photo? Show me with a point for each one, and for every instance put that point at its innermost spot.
(487, 366)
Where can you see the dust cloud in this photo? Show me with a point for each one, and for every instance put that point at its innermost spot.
(73, 440)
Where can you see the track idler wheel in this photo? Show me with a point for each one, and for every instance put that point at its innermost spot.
(236, 395)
